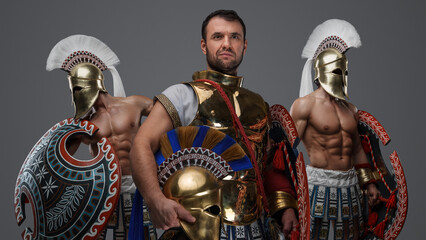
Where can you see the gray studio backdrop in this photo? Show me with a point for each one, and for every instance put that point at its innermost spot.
(158, 43)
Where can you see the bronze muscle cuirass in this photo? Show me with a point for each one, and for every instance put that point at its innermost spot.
(241, 203)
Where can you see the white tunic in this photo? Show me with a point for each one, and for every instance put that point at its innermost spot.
(185, 101)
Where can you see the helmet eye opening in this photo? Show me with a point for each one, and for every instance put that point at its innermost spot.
(213, 210)
(76, 89)
(337, 71)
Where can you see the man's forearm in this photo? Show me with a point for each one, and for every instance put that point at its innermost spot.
(145, 143)
(144, 171)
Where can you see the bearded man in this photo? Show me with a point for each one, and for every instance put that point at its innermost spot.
(206, 101)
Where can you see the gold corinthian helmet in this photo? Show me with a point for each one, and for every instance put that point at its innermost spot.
(85, 81)
(198, 191)
(331, 70)
(84, 58)
(326, 49)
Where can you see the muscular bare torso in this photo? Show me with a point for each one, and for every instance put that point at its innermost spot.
(328, 129)
(118, 119)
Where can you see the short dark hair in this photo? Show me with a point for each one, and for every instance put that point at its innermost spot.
(229, 15)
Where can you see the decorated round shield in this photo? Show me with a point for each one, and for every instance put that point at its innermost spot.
(385, 220)
(284, 134)
(70, 198)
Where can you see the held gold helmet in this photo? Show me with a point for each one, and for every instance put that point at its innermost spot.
(84, 58)
(197, 190)
(194, 163)
(326, 49)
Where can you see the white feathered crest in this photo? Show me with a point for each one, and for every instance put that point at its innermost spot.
(333, 33)
(81, 48)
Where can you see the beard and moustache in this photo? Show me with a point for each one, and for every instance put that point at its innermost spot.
(218, 65)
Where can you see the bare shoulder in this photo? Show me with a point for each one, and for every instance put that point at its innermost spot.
(352, 108)
(138, 99)
(306, 100)
(302, 107)
(143, 103)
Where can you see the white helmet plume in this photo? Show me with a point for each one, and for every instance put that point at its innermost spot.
(81, 48)
(333, 33)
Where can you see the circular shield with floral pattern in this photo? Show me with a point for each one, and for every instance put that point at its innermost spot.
(70, 198)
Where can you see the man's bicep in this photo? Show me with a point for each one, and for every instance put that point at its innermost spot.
(155, 125)
(299, 111)
(145, 144)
